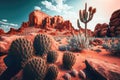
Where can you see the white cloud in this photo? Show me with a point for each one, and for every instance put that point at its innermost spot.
(59, 7)
(4, 20)
(37, 8)
(6, 26)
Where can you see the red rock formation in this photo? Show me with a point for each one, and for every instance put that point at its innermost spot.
(25, 24)
(2, 32)
(96, 42)
(12, 31)
(100, 30)
(66, 25)
(89, 32)
(44, 22)
(36, 18)
(114, 29)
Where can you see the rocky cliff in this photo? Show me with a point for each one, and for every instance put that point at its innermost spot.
(114, 29)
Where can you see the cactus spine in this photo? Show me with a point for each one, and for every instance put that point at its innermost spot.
(86, 16)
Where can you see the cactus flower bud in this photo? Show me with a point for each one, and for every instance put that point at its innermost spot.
(94, 10)
(90, 9)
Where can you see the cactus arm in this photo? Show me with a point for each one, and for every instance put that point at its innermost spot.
(78, 24)
(81, 16)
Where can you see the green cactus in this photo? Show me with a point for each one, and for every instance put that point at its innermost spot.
(85, 16)
(52, 56)
(69, 60)
(52, 73)
(35, 69)
(42, 44)
(20, 51)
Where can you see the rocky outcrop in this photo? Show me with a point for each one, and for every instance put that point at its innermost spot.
(100, 30)
(44, 21)
(103, 70)
(66, 25)
(89, 32)
(25, 24)
(2, 32)
(36, 18)
(96, 42)
(12, 31)
(114, 29)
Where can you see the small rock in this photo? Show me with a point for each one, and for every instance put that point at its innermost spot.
(82, 75)
(74, 73)
(67, 76)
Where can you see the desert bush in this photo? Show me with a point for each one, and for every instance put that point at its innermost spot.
(113, 47)
(79, 42)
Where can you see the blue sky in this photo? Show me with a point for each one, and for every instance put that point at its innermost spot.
(14, 12)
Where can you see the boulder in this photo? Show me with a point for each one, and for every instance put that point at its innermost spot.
(115, 24)
(103, 70)
(100, 30)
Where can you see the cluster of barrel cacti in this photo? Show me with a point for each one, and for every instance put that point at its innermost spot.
(29, 57)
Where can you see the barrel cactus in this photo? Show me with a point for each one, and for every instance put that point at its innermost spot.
(20, 51)
(35, 69)
(69, 60)
(42, 44)
(52, 73)
(52, 56)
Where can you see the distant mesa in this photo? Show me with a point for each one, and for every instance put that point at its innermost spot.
(43, 21)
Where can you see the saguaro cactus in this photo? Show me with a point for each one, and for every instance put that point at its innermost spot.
(86, 16)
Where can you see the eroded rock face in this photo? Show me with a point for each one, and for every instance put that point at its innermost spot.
(114, 29)
(105, 70)
(36, 18)
(89, 32)
(100, 30)
(12, 31)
